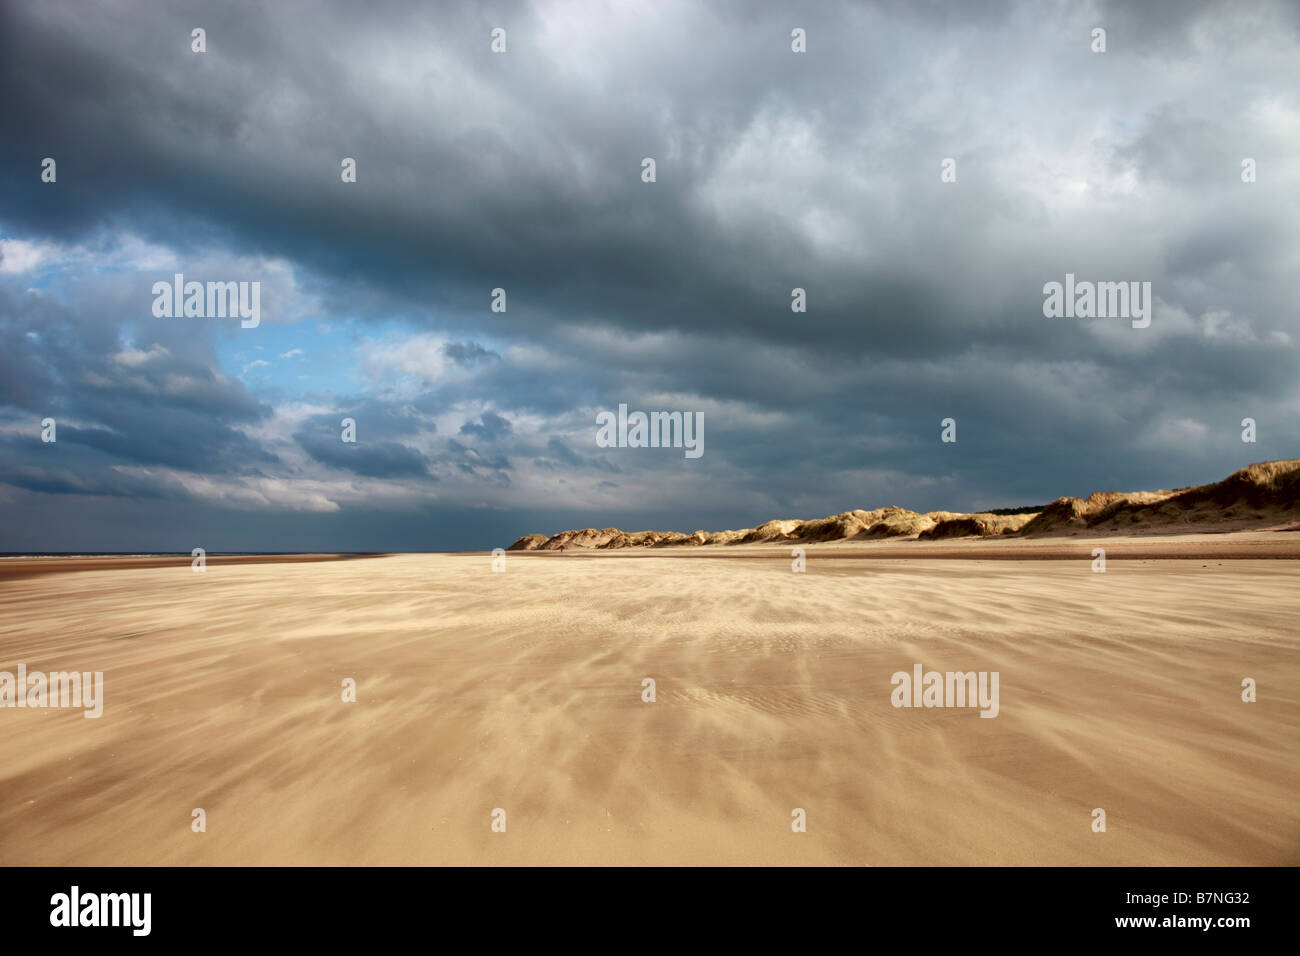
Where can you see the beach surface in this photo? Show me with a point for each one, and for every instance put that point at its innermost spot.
(523, 691)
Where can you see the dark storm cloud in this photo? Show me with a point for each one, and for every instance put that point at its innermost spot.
(150, 407)
(556, 214)
(472, 462)
(562, 453)
(370, 454)
(775, 171)
(490, 427)
(561, 458)
(469, 353)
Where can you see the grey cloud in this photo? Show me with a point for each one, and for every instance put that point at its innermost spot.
(775, 171)
(490, 427)
(373, 457)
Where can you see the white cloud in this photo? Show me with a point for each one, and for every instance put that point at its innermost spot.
(19, 256)
(133, 358)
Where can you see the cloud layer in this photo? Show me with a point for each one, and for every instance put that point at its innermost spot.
(521, 171)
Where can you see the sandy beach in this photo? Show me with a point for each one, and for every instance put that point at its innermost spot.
(522, 690)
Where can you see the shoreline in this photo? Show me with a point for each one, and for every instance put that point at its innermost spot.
(15, 567)
(1274, 544)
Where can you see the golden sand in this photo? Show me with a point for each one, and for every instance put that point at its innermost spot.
(522, 690)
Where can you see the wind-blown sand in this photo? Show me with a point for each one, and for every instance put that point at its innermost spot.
(522, 690)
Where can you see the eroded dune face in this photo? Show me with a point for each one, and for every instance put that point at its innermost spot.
(982, 525)
(1262, 495)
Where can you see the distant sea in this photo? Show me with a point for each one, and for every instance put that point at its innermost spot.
(163, 554)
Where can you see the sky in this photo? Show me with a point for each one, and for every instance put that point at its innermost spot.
(523, 170)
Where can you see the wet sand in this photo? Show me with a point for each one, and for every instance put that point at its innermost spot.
(26, 567)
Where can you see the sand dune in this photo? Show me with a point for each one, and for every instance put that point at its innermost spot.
(522, 690)
(975, 526)
(1263, 495)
